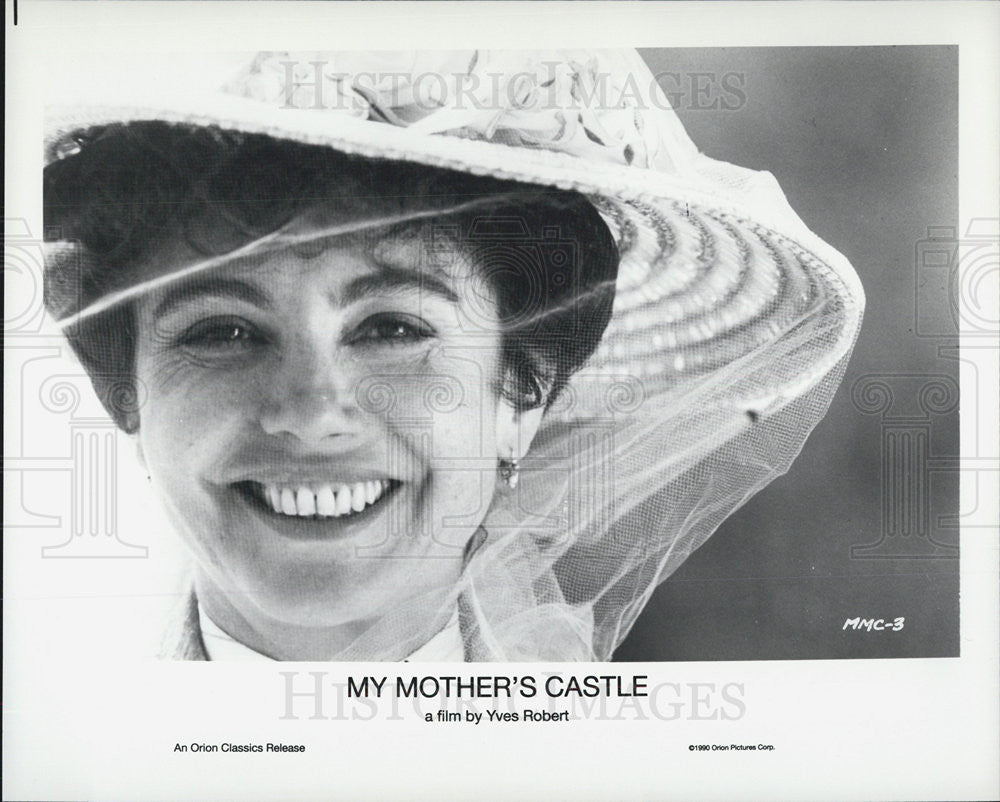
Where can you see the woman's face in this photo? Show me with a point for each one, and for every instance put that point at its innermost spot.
(324, 427)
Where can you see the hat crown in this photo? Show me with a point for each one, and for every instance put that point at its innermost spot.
(604, 106)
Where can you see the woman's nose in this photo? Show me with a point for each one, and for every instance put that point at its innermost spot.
(311, 397)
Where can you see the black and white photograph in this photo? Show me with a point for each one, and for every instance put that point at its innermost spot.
(560, 389)
(520, 401)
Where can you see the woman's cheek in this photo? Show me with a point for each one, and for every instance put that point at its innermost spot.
(443, 390)
(188, 416)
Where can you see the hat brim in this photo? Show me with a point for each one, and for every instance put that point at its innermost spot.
(715, 263)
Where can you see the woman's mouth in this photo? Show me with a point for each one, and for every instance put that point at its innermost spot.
(318, 501)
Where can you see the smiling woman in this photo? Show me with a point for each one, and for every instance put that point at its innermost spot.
(287, 457)
(346, 333)
(264, 425)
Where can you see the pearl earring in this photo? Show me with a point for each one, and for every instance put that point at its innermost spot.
(509, 469)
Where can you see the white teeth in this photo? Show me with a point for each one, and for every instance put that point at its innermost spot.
(326, 502)
(323, 500)
(343, 500)
(358, 497)
(305, 501)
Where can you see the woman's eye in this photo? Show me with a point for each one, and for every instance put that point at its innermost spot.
(391, 329)
(222, 335)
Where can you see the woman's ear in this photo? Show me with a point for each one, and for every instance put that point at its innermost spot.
(516, 429)
(131, 423)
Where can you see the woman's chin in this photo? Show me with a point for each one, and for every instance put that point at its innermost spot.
(315, 571)
(351, 595)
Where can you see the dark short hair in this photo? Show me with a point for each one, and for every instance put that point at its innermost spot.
(546, 253)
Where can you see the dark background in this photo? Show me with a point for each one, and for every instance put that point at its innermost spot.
(864, 142)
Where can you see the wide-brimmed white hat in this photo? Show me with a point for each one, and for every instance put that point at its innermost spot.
(714, 260)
